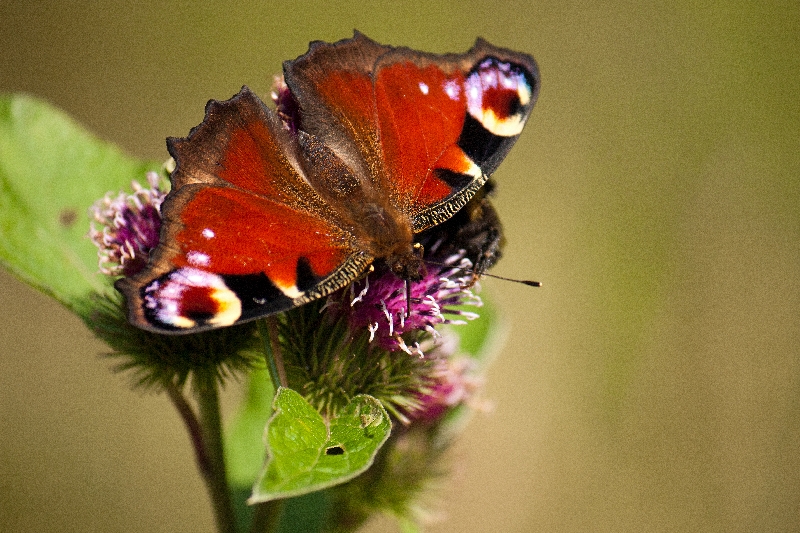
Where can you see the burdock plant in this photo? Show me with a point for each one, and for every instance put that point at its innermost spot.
(357, 207)
(350, 400)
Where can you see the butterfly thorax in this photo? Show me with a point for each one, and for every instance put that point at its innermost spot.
(389, 237)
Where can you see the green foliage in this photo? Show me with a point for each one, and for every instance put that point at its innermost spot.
(51, 172)
(305, 453)
(244, 440)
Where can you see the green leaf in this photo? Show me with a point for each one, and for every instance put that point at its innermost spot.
(305, 454)
(51, 172)
(244, 442)
(483, 337)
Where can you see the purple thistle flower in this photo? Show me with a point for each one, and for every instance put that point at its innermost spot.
(448, 381)
(379, 304)
(125, 227)
(454, 381)
(285, 104)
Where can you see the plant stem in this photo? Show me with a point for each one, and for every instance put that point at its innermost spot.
(268, 330)
(266, 516)
(192, 425)
(214, 475)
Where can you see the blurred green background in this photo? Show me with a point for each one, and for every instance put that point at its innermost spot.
(652, 384)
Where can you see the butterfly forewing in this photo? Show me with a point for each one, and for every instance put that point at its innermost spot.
(333, 87)
(446, 122)
(244, 234)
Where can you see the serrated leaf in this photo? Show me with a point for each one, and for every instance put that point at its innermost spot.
(304, 454)
(51, 172)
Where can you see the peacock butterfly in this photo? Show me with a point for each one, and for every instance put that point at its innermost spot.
(268, 211)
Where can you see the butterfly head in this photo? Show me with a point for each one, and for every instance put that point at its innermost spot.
(408, 264)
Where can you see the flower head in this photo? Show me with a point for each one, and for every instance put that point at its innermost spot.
(449, 379)
(381, 304)
(125, 227)
(454, 381)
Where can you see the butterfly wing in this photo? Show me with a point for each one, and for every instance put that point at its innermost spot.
(243, 234)
(427, 130)
(333, 87)
(475, 231)
(390, 141)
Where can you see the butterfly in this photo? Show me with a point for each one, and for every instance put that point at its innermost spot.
(270, 210)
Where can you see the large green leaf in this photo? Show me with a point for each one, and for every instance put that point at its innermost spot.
(305, 454)
(51, 172)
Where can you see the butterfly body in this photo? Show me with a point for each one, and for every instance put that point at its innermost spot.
(269, 211)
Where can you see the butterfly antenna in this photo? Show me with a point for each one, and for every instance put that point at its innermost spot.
(528, 282)
(476, 274)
